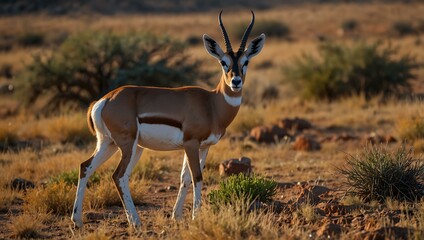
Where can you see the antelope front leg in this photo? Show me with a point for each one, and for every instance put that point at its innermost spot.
(182, 193)
(191, 148)
(185, 182)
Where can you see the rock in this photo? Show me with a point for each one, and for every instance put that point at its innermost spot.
(235, 166)
(374, 138)
(306, 143)
(329, 230)
(318, 190)
(295, 124)
(393, 232)
(171, 188)
(21, 184)
(306, 196)
(268, 134)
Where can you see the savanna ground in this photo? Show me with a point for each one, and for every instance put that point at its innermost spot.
(44, 149)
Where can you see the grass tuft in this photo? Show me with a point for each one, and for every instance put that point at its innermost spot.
(26, 226)
(72, 177)
(377, 174)
(56, 198)
(233, 222)
(411, 128)
(245, 188)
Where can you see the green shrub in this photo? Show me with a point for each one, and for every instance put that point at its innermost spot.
(71, 178)
(270, 92)
(341, 71)
(243, 188)
(29, 39)
(349, 25)
(403, 28)
(377, 174)
(88, 65)
(271, 28)
(420, 26)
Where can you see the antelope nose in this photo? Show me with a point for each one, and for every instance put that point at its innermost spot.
(236, 82)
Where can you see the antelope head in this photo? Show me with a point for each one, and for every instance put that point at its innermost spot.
(234, 64)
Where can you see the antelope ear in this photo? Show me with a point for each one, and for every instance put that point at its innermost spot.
(255, 46)
(212, 47)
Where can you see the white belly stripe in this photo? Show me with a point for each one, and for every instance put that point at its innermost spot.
(163, 137)
(160, 137)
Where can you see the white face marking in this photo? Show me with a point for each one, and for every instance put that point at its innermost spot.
(237, 88)
(227, 62)
(233, 101)
(160, 137)
(242, 64)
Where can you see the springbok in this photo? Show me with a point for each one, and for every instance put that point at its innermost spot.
(191, 118)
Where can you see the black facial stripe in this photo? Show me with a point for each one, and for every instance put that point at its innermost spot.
(235, 57)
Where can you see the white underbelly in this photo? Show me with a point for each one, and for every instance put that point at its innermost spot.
(160, 137)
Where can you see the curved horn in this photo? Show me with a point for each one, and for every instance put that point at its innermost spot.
(247, 33)
(224, 33)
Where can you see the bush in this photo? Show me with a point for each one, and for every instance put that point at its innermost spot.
(349, 25)
(420, 26)
(30, 39)
(243, 188)
(403, 28)
(88, 65)
(367, 69)
(271, 28)
(377, 174)
(71, 178)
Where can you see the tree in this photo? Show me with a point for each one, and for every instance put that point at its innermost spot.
(88, 65)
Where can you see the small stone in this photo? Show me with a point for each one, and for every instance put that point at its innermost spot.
(171, 188)
(306, 143)
(21, 184)
(235, 166)
(329, 229)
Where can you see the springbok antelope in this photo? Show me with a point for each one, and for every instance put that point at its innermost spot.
(132, 118)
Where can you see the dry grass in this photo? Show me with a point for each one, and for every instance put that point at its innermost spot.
(56, 198)
(105, 194)
(411, 127)
(355, 115)
(27, 226)
(7, 198)
(231, 223)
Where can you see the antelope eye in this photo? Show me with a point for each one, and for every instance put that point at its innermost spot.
(246, 63)
(224, 64)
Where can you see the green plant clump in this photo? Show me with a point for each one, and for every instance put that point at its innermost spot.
(31, 39)
(271, 28)
(341, 71)
(243, 188)
(88, 65)
(377, 174)
(72, 177)
(403, 28)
